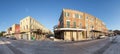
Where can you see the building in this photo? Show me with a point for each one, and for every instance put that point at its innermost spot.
(2, 33)
(9, 32)
(32, 29)
(16, 31)
(75, 25)
(111, 33)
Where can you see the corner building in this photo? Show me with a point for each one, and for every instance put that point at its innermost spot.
(30, 28)
(75, 26)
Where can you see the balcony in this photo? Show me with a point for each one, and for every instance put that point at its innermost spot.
(77, 28)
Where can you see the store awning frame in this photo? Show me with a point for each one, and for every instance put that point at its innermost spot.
(72, 29)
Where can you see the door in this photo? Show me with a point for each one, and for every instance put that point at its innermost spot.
(80, 35)
(74, 36)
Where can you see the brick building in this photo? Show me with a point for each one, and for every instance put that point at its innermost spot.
(75, 25)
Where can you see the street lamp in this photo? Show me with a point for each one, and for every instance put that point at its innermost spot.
(92, 32)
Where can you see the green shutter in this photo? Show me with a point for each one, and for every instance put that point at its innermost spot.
(68, 24)
(74, 24)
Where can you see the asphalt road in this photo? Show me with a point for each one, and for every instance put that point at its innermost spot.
(8, 46)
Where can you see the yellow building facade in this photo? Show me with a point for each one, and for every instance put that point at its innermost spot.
(32, 29)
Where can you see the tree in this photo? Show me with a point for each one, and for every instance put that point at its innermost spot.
(1, 33)
(117, 31)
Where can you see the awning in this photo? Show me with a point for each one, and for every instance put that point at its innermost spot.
(74, 29)
(22, 32)
(95, 31)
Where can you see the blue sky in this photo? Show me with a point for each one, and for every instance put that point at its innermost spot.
(47, 12)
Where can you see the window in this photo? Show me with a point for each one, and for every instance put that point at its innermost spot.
(74, 24)
(61, 24)
(92, 27)
(67, 14)
(80, 25)
(92, 19)
(26, 26)
(87, 17)
(31, 26)
(33, 21)
(21, 23)
(80, 16)
(87, 26)
(68, 24)
(76, 15)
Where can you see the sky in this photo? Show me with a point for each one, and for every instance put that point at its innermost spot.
(47, 12)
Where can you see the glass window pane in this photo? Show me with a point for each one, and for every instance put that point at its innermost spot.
(68, 24)
(74, 24)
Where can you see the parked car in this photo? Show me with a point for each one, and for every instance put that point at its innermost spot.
(51, 37)
(101, 37)
(13, 38)
(7, 37)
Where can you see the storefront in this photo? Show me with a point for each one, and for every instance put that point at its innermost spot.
(70, 34)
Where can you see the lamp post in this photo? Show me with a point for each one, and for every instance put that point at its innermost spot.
(92, 32)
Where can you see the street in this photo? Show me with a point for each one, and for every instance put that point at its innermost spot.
(8, 46)
(114, 47)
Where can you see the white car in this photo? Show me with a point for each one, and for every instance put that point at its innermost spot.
(102, 36)
(51, 37)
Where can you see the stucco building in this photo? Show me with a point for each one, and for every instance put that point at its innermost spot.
(30, 28)
(75, 25)
(16, 30)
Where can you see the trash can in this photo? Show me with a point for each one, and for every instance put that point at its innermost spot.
(32, 38)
